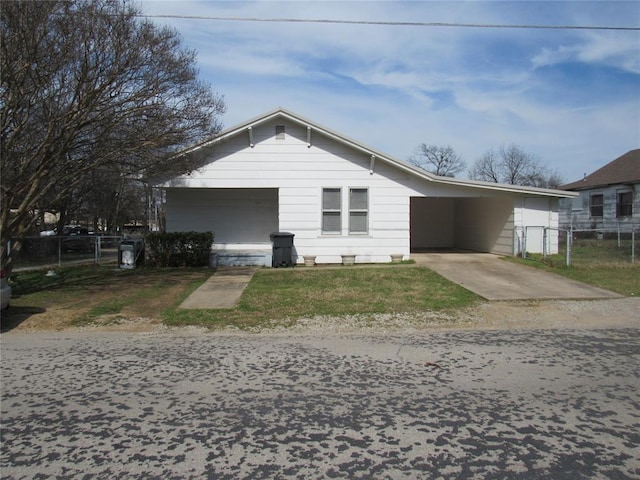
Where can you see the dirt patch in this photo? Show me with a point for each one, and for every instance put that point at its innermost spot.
(610, 313)
(613, 313)
(507, 315)
(139, 306)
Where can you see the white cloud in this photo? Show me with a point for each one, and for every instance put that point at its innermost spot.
(616, 49)
(396, 87)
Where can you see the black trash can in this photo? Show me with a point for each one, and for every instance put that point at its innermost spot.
(282, 249)
(131, 253)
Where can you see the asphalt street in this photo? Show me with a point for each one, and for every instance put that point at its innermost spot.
(519, 404)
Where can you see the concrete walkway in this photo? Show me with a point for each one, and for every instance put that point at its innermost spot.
(496, 279)
(222, 290)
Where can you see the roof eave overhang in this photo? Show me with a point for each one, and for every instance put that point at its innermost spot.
(582, 188)
(416, 171)
(505, 188)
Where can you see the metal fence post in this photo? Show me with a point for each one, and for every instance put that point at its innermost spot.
(59, 252)
(633, 245)
(545, 238)
(524, 242)
(568, 248)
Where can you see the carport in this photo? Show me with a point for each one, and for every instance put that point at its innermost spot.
(481, 224)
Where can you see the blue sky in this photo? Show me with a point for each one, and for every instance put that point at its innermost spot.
(570, 97)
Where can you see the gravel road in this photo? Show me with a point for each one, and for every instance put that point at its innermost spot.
(511, 403)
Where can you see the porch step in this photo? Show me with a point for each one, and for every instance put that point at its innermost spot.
(239, 258)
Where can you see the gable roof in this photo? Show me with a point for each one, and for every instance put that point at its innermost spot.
(623, 170)
(376, 155)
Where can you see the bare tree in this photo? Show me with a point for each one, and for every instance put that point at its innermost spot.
(442, 161)
(86, 84)
(553, 180)
(512, 165)
(487, 168)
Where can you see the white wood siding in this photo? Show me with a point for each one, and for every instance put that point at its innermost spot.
(485, 225)
(299, 172)
(288, 176)
(532, 216)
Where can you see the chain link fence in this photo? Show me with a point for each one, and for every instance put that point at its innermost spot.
(59, 251)
(605, 245)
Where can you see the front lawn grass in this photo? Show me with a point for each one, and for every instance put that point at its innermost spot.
(87, 295)
(284, 296)
(620, 277)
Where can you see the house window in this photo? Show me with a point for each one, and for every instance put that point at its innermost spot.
(331, 210)
(279, 132)
(358, 210)
(596, 205)
(624, 204)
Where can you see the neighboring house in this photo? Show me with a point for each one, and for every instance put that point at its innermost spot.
(609, 197)
(282, 172)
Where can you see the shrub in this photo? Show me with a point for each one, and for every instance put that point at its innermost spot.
(179, 249)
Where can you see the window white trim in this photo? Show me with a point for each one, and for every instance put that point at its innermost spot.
(331, 215)
(358, 210)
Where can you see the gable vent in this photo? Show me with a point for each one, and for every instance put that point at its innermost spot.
(279, 132)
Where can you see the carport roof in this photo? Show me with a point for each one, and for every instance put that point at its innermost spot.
(374, 154)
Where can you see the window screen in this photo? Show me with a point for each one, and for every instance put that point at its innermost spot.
(358, 210)
(624, 204)
(331, 207)
(597, 205)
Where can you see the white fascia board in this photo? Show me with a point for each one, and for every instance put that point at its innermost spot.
(503, 187)
(230, 132)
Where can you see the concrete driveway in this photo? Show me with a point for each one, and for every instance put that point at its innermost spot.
(495, 279)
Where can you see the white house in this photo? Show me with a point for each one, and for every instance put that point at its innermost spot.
(280, 172)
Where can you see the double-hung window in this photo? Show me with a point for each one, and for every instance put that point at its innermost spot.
(358, 210)
(596, 205)
(624, 204)
(331, 210)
